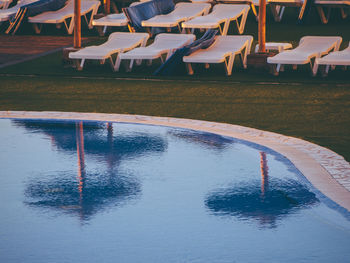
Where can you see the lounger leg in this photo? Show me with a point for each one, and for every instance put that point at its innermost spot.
(229, 65)
(302, 10)
(111, 62)
(138, 62)
(314, 69)
(81, 64)
(117, 63)
(241, 58)
(324, 18)
(252, 6)
(86, 20)
(69, 28)
(277, 69)
(277, 12)
(343, 13)
(37, 28)
(274, 69)
(129, 67)
(241, 25)
(245, 54)
(189, 69)
(226, 26)
(93, 13)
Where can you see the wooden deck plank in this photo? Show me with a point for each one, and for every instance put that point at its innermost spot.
(19, 48)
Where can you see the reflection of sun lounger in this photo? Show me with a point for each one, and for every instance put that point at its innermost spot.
(65, 16)
(182, 12)
(337, 58)
(309, 49)
(163, 44)
(221, 14)
(223, 50)
(322, 5)
(118, 42)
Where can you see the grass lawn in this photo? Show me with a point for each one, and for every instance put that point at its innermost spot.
(294, 103)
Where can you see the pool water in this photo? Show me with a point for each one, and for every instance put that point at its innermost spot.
(74, 191)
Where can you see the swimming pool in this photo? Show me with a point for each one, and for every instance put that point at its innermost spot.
(76, 191)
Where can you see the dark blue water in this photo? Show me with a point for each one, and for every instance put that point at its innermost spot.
(99, 192)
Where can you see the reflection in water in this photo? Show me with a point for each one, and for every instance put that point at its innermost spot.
(265, 201)
(95, 193)
(213, 141)
(88, 193)
(114, 148)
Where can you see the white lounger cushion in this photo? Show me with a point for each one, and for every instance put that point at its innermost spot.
(117, 42)
(222, 13)
(67, 12)
(165, 43)
(224, 48)
(111, 20)
(182, 12)
(337, 58)
(309, 47)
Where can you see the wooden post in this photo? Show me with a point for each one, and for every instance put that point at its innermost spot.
(262, 26)
(77, 24)
(107, 6)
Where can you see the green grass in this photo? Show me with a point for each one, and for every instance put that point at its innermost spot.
(294, 103)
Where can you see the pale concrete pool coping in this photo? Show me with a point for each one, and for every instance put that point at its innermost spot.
(326, 170)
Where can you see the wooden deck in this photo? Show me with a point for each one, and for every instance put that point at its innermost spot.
(16, 49)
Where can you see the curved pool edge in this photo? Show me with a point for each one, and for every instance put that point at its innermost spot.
(325, 169)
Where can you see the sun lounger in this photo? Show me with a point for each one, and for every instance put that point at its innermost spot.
(182, 12)
(117, 43)
(223, 50)
(4, 4)
(9, 13)
(337, 58)
(65, 16)
(164, 43)
(278, 7)
(147, 10)
(112, 20)
(33, 9)
(309, 49)
(221, 14)
(253, 4)
(324, 8)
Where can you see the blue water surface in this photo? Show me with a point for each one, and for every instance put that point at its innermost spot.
(75, 191)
